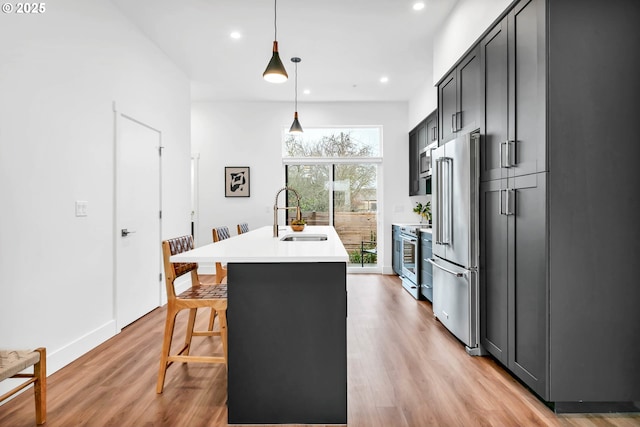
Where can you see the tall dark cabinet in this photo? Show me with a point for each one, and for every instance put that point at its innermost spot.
(513, 195)
(559, 198)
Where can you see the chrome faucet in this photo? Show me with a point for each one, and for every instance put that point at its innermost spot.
(276, 208)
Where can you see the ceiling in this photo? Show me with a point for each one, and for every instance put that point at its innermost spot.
(346, 46)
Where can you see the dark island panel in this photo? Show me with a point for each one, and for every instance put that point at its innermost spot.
(287, 343)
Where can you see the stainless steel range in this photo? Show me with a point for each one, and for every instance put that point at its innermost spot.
(410, 259)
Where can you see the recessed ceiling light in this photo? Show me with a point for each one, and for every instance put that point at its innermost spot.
(418, 5)
(384, 79)
(306, 92)
(235, 35)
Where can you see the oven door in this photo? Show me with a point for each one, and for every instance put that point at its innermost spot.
(410, 257)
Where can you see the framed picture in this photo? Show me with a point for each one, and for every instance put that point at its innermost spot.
(236, 181)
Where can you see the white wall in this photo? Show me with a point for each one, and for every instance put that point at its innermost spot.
(467, 21)
(250, 134)
(60, 72)
(425, 98)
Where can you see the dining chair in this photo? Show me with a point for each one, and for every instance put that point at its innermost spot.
(197, 296)
(243, 227)
(367, 247)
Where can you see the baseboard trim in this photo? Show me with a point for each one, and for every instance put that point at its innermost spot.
(595, 407)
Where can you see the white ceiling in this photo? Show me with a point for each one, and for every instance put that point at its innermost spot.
(346, 46)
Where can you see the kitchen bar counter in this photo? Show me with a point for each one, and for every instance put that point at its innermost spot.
(287, 325)
(260, 246)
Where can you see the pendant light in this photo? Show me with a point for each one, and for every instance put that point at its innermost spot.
(295, 126)
(275, 71)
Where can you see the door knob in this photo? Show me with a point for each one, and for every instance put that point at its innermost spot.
(126, 232)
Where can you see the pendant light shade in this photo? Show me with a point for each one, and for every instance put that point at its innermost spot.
(275, 71)
(295, 126)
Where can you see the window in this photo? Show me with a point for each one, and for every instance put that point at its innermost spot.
(335, 171)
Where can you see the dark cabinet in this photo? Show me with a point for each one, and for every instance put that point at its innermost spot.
(513, 296)
(396, 254)
(512, 57)
(426, 270)
(459, 98)
(422, 135)
(432, 127)
(414, 162)
(513, 196)
(513, 277)
(495, 111)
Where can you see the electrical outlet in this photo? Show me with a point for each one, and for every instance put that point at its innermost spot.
(82, 207)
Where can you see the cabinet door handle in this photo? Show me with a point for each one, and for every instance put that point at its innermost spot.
(505, 155)
(511, 157)
(501, 203)
(458, 122)
(453, 122)
(508, 210)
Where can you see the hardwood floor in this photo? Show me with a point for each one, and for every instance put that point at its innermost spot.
(405, 370)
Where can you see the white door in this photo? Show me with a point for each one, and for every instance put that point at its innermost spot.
(138, 260)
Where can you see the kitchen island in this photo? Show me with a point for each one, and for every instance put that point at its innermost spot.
(286, 314)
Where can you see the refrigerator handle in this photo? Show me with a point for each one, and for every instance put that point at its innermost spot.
(435, 264)
(438, 224)
(449, 203)
(501, 202)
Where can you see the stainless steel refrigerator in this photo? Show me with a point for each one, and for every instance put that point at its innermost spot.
(455, 203)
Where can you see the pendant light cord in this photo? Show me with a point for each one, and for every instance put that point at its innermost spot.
(275, 19)
(296, 97)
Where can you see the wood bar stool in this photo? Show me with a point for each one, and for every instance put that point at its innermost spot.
(198, 296)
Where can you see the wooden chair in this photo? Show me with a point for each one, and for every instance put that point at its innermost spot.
(220, 233)
(12, 362)
(243, 227)
(198, 296)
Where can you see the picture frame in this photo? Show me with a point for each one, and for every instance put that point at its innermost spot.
(237, 181)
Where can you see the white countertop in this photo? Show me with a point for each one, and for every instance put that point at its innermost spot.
(260, 246)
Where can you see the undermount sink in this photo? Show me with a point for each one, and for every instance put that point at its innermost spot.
(304, 238)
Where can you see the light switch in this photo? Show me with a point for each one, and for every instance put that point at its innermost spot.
(82, 207)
